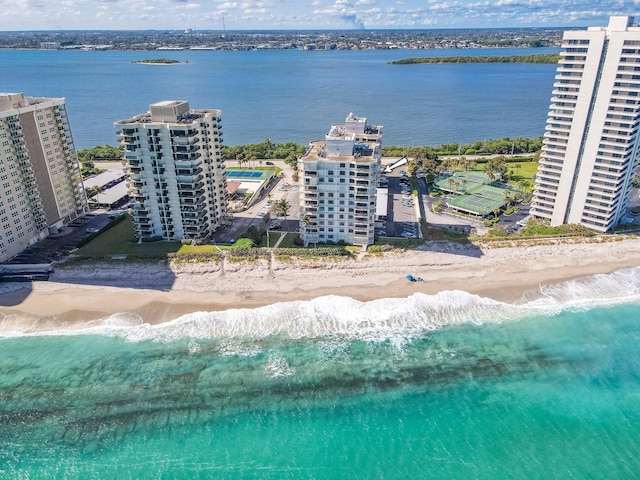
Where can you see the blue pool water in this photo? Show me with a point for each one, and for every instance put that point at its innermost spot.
(244, 174)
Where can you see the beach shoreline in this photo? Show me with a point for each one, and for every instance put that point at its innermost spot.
(83, 296)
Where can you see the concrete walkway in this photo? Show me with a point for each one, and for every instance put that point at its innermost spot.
(282, 235)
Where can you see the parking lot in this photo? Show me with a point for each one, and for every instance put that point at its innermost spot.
(58, 246)
(401, 217)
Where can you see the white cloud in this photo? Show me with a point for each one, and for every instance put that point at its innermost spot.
(265, 14)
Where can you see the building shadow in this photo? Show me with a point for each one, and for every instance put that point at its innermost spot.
(443, 237)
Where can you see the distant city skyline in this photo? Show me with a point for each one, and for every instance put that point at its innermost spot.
(16, 15)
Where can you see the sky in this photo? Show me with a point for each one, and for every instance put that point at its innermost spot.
(306, 14)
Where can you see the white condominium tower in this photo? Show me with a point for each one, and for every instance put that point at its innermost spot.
(591, 139)
(177, 179)
(40, 183)
(338, 180)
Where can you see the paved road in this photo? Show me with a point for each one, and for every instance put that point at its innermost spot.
(241, 221)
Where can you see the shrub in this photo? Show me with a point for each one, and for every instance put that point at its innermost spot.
(243, 243)
(498, 231)
(255, 234)
(511, 210)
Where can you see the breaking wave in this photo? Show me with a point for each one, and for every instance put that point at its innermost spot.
(378, 320)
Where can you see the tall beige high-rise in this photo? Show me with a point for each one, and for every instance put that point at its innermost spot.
(591, 140)
(177, 178)
(338, 182)
(40, 183)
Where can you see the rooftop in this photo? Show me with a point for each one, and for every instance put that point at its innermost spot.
(317, 151)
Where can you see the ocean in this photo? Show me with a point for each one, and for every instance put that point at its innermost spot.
(450, 386)
(293, 95)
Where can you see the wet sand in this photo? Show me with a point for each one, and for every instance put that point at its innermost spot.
(89, 295)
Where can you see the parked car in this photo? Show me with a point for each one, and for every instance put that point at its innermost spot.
(269, 163)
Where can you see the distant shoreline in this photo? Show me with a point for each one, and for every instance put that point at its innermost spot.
(157, 61)
(541, 58)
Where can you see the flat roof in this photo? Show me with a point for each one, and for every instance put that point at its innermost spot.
(382, 202)
(112, 195)
(317, 152)
(103, 178)
(165, 103)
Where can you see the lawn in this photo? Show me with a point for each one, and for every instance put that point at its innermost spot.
(274, 236)
(119, 240)
(525, 171)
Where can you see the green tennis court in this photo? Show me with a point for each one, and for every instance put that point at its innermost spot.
(475, 194)
(484, 200)
(462, 182)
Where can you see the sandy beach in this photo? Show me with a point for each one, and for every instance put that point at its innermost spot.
(79, 296)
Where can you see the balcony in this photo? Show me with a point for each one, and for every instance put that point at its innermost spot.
(191, 186)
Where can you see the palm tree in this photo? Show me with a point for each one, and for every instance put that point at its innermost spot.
(507, 196)
(490, 175)
(99, 190)
(463, 181)
(305, 221)
(524, 184)
(496, 211)
(282, 207)
(451, 181)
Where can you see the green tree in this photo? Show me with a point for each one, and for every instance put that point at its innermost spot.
(305, 222)
(282, 208)
(450, 181)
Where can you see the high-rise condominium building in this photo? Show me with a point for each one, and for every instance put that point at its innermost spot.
(338, 180)
(40, 183)
(591, 138)
(177, 180)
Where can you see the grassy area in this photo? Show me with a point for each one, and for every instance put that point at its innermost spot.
(287, 241)
(119, 240)
(400, 242)
(432, 232)
(525, 171)
(274, 236)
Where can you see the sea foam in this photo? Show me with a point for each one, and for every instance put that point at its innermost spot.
(383, 319)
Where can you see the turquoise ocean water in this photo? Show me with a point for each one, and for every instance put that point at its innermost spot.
(446, 386)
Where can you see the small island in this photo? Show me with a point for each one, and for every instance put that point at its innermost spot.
(548, 58)
(157, 61)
